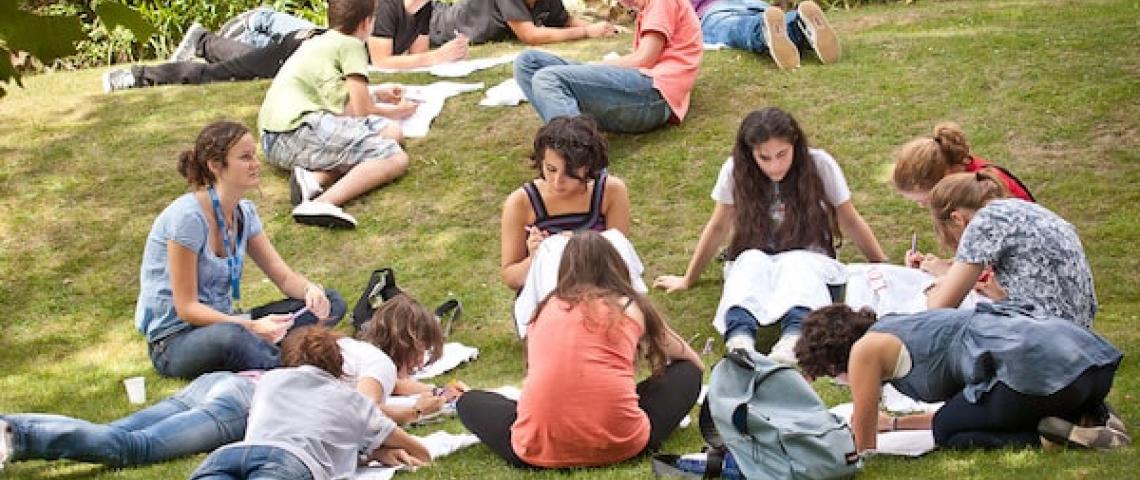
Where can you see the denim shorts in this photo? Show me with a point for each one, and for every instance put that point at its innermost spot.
(325, 142)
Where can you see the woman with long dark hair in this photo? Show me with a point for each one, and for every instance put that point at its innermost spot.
(785, 205)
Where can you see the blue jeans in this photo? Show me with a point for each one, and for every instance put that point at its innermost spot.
(268, 26)
(210, 412)
(252, 462)
(737, 321)
(620, 99)
(229, 346)
(740, 24)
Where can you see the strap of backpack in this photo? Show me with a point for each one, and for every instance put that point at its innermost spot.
(714, 461)
(708, 428)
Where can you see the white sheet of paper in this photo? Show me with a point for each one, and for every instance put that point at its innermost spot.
(431, 98)
(909, 443)
(461, 68)
(439, 444)
(505, 94)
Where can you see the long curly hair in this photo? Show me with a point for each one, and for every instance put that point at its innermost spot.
(316, 346)
(810, 220)
(827, 336)
(405, 330)
(593, 269)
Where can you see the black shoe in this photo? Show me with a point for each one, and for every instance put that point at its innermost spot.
(451, 310)
(1063, 432)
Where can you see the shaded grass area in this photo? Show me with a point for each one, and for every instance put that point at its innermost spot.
(1049, 90)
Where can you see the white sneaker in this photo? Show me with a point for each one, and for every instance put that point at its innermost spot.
(784, 351)
(738, 342)
(118, 79)
(5, 443)
(303, 186)
(187, 48)
(322, 214)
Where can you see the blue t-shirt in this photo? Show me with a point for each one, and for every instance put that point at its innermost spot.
(185, 223)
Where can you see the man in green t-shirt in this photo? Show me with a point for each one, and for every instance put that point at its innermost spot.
(319, 119)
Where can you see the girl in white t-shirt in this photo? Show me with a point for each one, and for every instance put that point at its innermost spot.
(785, 205)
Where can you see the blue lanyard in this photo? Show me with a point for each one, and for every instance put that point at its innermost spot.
(233, 258)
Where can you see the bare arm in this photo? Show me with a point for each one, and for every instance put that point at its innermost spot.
(953, 287)
(852, 224)
(713, 235)
(616, 206)
(361, 104)
(418, 55)
(529, 33)
(647, 53)
(865, 371)
(400, 439)
(287, 280)
(515, 255)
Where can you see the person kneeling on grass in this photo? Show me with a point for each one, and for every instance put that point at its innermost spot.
(590, 329)
(1008, 378)
(305, 423)
(319, 119)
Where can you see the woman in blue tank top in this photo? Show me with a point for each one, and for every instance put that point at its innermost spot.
(572, 192)
(1008, 378)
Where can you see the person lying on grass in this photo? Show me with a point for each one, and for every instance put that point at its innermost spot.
(305, 423)
(211, 411)
(1009, 378)
(592, 328)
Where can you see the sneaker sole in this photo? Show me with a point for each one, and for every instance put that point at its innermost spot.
(824, 41)
(780, 46)
(319, 220)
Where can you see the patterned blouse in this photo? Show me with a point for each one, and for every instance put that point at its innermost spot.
(1037, 258)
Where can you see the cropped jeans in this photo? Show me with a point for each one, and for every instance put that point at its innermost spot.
(621, 99)
(209, 412)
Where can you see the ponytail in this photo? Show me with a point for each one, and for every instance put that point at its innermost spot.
(922, 162)
(211, 146)
(962, 191)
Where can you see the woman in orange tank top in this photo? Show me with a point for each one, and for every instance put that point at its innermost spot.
(581, 405)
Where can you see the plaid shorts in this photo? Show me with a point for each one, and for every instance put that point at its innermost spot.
(329, 142)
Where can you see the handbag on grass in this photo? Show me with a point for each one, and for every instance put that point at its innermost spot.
(380, 287)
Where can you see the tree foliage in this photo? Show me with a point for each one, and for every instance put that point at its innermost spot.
(48, 37)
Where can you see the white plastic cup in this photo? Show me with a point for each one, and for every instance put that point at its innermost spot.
(136, 390)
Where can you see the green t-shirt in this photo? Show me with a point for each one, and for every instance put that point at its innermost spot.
(313, 80)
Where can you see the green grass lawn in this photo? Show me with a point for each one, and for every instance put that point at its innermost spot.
(1050, 90)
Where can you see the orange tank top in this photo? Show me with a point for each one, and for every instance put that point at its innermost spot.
(579, 400)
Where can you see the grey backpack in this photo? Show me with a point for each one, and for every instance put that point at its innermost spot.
(773, 423)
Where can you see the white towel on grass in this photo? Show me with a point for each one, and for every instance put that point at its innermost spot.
(454, 354)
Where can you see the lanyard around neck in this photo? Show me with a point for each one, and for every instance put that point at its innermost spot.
(233, 257)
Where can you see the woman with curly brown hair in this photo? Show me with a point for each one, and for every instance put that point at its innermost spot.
(1006, 376)
(785, 204)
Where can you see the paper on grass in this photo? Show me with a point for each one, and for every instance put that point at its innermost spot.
(430, 98)
(460, 68)
(505, 94)
(439, 444)
(908, 443)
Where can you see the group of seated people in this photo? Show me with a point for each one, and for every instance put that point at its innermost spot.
(1025, 368)
(340, 140)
